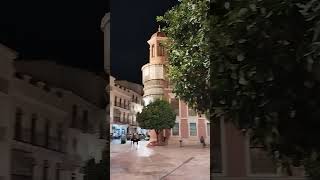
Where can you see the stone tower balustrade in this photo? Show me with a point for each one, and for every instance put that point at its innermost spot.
(153, 71)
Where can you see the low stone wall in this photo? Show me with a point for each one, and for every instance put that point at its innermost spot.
(187, 141)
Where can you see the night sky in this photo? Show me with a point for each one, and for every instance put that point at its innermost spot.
(66, 31)
(132, 24)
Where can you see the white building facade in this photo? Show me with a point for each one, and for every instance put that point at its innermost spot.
(125, 103)
(48, 129)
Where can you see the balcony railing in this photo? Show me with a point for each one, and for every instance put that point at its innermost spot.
(40, 140)
(121, 105)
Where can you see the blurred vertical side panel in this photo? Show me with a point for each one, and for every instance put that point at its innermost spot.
(105, 27)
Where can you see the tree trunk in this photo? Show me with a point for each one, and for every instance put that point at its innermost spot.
(157, 134)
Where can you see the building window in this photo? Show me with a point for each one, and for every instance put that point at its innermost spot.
(74, 116)
(33, 128)
(217, 156)
(58, 167)
(21, 165)
(85, 121)
(193, 129)
(136, 99)
(116, 115)
(160, 50)
(18, 124)
(45, 170)
(124, 104)
(115, 100)
(124, 117)
(175, 129)
(152, 50)
(47, 133)
(74, 145)
(120, 102)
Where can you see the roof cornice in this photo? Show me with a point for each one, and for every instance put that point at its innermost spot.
(7, 52)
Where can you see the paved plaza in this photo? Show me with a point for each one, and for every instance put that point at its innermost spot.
(161, 162)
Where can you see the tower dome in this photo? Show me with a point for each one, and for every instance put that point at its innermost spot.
(157, 49)
(159, 33)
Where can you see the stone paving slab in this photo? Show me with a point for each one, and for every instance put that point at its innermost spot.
(143, 163)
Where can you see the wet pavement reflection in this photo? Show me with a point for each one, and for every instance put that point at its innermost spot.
(162, 162)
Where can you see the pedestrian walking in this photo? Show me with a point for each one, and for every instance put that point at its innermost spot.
(123, 139)
(202, 141)
(138, 138)
(134, 139)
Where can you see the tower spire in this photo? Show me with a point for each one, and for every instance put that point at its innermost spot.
(159, 28)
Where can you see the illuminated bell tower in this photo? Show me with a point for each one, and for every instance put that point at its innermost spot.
(153, 73)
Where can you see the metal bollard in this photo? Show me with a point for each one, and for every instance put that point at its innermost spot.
(180, 142)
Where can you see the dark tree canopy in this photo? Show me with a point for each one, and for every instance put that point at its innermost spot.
(263, 66)
(265, 73)
(97, 171)
(157, 115)
(188, 45)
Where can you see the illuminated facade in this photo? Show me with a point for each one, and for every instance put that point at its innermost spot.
(51, 123)
(125, 103)
(190, 126)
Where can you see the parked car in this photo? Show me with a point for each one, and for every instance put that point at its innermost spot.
(142, 136)
(115, 136)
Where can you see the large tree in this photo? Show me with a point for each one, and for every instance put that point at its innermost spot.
(264, 69)
(158, 115)
(188, 46)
